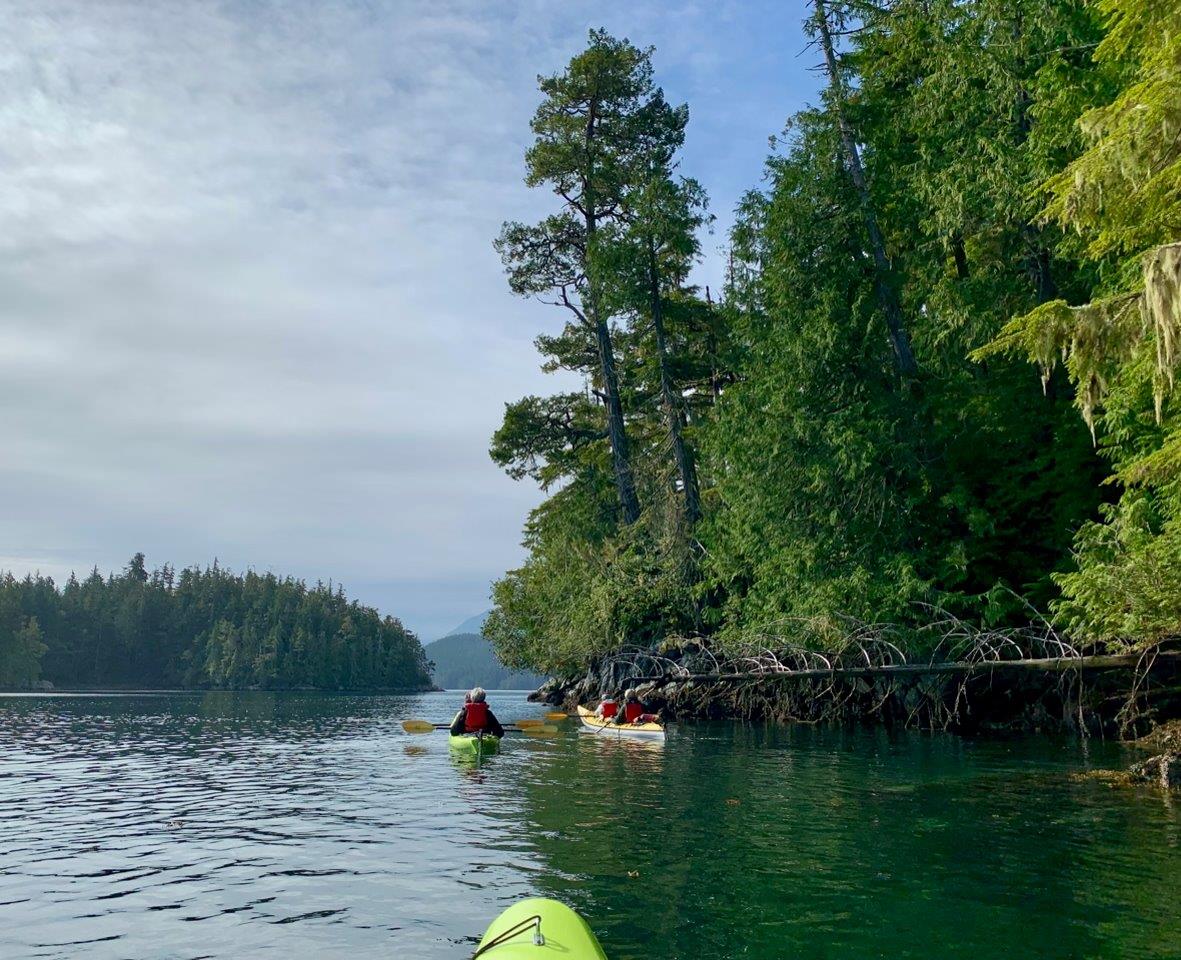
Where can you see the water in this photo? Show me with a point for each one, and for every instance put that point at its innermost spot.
(300, 826)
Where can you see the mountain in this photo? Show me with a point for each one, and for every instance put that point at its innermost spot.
(471, 625)
(464, 660)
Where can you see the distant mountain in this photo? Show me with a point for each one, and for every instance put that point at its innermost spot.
(471, 625)
(464, 660)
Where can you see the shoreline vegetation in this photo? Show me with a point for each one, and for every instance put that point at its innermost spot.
(933, 403)
(200, 629)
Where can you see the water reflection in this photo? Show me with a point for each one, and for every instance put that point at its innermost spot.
(225, 825)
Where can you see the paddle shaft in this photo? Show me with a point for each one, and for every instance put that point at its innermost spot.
(424, 726)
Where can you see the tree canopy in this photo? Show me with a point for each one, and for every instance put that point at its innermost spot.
(849, 428)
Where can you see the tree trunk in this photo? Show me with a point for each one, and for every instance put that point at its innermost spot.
(887, 296)
(960, 256)
(672, 409)
(616, 432)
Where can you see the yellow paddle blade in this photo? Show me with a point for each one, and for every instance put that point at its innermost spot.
(418, 726)
(557, 715)
(530, 723)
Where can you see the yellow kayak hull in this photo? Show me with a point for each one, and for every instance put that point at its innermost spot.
(537, 929)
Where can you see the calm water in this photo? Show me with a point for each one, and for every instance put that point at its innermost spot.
(299, 826)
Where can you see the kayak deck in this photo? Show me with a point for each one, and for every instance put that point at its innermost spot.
(469, 745)
(637, 731)
(538, 928)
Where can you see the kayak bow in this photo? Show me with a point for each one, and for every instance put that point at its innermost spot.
(538, 928)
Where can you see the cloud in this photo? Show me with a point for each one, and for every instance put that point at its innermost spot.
(249, 306)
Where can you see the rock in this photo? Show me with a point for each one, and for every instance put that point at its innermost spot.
(42, 685)
(1166, 737)
(1113, 778)
(1164, 770)
(549, 692)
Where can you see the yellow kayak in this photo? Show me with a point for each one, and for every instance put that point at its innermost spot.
(609, 728)
(536, 929)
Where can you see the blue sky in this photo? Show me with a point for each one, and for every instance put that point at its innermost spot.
(249, 306)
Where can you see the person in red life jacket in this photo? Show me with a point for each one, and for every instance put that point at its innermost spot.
(475, 716)
(607, 710)
(635, 710)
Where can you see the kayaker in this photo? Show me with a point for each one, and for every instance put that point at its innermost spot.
(475, 716)
(607, 709)
(635, 710)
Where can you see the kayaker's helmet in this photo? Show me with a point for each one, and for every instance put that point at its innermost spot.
(477, 695)
(630, 694)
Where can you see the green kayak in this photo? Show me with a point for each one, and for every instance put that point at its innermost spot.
(537, 929)
(468, 745)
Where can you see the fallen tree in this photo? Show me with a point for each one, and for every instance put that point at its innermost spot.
(971, 680)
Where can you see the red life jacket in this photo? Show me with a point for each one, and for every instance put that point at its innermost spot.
(610, 708)
(632, 711)
(475, 717)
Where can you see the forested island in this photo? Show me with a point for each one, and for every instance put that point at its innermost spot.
(199, 628)
(937, 387)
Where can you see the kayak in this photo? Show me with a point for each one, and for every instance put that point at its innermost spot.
(538, 928)
(468, 745)
(609, 728)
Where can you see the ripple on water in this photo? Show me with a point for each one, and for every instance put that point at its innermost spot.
(229, 825)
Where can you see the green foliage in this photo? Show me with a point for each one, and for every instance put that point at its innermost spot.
(580, 595)
(21, 646)
(600, 125)
(1124, 193)
(838, 491)
(199, 628)
(549, 439)
(1122, 348)
(833, 482)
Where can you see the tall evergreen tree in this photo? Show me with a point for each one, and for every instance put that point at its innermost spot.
(596, 121)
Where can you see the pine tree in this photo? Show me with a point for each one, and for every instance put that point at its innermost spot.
(598, 117)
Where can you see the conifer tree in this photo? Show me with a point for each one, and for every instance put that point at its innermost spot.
(597, 119)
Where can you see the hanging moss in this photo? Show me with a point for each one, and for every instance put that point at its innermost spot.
(1094, 340)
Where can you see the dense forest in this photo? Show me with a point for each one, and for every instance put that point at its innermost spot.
(199, 628)
(940, 374)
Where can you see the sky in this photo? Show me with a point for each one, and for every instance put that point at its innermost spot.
(249, 305)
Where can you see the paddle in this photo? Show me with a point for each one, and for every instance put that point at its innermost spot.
(423, 726)
(532, 729)
(557, 715)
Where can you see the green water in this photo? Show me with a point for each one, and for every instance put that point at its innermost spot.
(298, 826)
